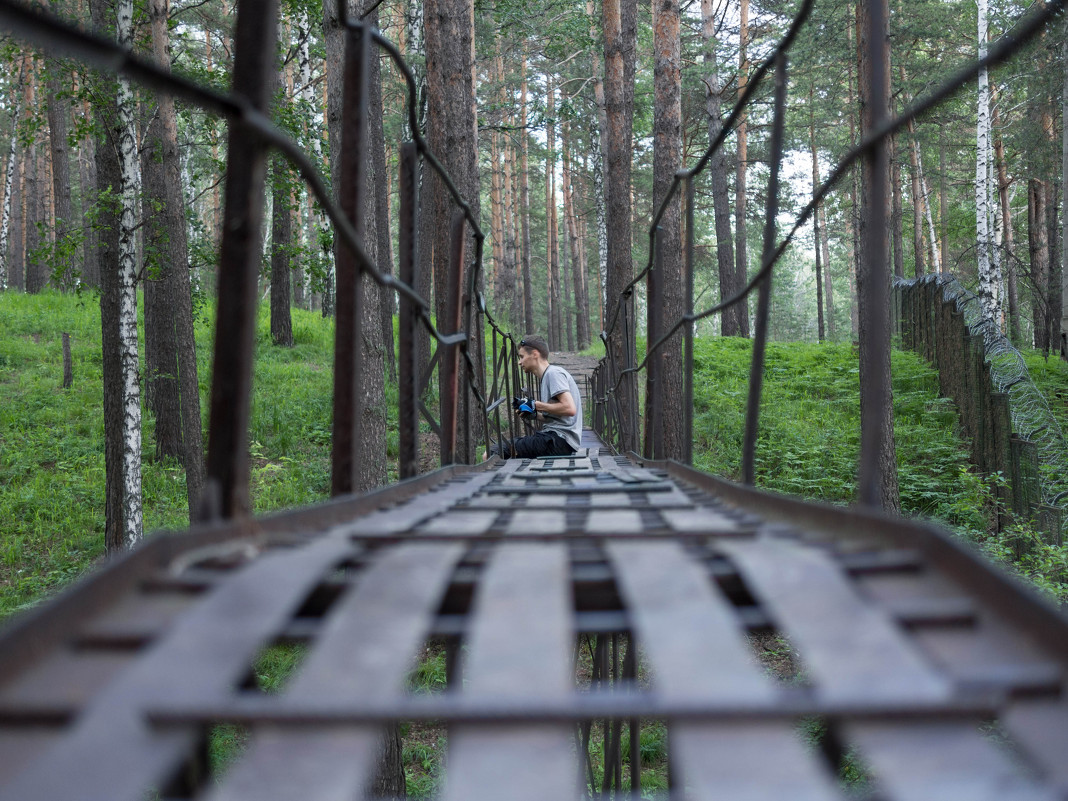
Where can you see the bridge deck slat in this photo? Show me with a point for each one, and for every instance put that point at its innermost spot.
(111, 753)
(941, 761)
(696, 648)
(852, 648)
(374, 633)
(520, 647)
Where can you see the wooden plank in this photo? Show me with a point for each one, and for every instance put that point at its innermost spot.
(697, 521)
(406, 516)
(1040, 728)
(537, 521)
(852, 649)
(670, 597)
(941, 761)
(66, 678)
(520, 651)
(111, 753)
(460, 521)
(696, 650)
(363, 653)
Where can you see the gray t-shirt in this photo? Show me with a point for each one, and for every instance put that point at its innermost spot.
(554, 381)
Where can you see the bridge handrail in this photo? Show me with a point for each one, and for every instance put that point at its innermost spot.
(998, 52)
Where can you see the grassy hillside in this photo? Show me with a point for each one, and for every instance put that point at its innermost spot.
(51, 439)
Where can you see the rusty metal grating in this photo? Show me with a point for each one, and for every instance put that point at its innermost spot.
(913, 651)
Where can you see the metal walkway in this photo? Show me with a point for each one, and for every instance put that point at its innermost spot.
(945, 677)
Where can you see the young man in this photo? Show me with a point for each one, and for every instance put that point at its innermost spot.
(558, 405)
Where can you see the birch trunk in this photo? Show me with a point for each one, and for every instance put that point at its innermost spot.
(9, 182)
(131, 186)
(989, 277)
(597, 149)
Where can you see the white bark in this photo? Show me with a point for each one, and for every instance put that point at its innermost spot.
(597, 134)
(5, 217)
(989, 268)
(307, 94)
(131, 396)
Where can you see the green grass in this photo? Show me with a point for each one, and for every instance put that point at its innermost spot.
(809, 442)
(52, 440)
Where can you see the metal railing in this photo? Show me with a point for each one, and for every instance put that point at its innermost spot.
(615, 386)
(252, 135)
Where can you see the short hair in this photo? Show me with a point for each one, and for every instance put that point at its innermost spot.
(536, 343)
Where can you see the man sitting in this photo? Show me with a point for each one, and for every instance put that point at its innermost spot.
(558, 404)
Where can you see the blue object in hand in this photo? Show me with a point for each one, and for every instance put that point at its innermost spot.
(525, 406)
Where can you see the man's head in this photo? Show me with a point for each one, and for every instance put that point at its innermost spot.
(533, 354)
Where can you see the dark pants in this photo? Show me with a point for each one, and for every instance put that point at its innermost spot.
(540, 443)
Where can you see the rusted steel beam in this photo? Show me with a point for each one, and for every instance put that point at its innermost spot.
(348, 359)
(226, 487)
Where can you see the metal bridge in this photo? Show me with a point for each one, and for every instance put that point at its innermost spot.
(944, 675)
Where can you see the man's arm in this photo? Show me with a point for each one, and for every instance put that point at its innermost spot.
(563, 405)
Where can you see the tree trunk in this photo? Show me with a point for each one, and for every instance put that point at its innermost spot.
(598, 128)
(1038, 242)
(524, 173)
(620, 35)
(730, 319)
(1009, 259)
(58, 131)
(131, 388)
(16, 252)
(109, 181)
(854, 186)
(896, 216)
(281, 244)
(454, 138)
(878, 480)
(820, 331)
(989, 275)
(1063, 339)
(552, 257)
(664, 388)
(9, 183)
(36, 270)
(177, 394)
(384, 241)
(582, 307)
(828, 284)
(741, 270)
(919, 266)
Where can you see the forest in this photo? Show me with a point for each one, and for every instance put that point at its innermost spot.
(115, 192)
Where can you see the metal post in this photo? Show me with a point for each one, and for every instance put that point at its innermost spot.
(408, 268)
(239, 267)
(348, 361)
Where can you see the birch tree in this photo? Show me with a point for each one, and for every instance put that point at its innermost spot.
(989, 268)
(9, 182)
(131, 389)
